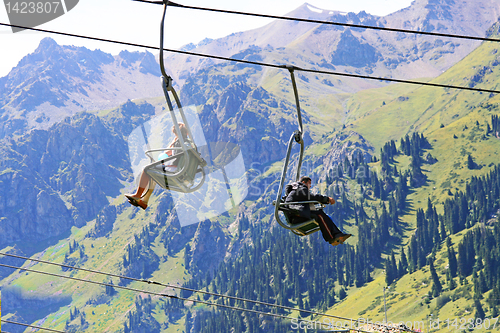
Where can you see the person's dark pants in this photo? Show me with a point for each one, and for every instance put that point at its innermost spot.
(328, 228)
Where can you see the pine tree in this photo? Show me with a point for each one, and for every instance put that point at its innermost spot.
(342, 293)
(188, 322)
(482, 282)
(479, 314)
(403, 264)
(470, 162)
(413, 254)
(462, 266)
(390, 269)
(442, 230)
(436, 284)
(359, 275)
(451, 281)
(110, 290)
(452, 262)
(187, 256)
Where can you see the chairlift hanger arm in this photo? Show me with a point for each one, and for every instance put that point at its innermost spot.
(297, 136)
(182, 179)
(167, 79)
(283, 176)
(162, 31)
(291, 69)
(168, 86)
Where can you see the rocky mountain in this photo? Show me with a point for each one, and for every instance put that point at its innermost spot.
(356, 50)
(64, 179)
(258, 121)
(61, 177)
(58, 81)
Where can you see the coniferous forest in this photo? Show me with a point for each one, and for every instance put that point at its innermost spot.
(401, 129)
(278, 267)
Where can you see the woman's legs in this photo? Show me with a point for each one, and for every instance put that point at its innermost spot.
(149, 191)
(143, 183)
(141, 198)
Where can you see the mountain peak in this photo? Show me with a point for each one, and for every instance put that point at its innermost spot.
(44, 51)
(47, 42)
(313, 8)
(309, 11)
(59, 80)
(47, 46)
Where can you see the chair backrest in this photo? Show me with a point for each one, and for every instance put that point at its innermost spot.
(182, 179)
(190, 170)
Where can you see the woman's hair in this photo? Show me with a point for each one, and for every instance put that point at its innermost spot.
(183, 128)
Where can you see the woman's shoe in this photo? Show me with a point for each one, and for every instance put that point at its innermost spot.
(136, 202)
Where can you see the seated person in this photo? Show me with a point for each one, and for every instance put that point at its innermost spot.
(299, 192)
(141, 197)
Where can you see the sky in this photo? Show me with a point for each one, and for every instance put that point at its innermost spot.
(136, 22)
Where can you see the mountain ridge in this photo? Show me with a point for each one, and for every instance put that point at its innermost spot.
(423, 15)
(62, 80)
(80, 164)
(58, 81)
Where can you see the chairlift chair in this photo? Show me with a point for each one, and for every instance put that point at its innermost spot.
(292, 218)
(190, 162)
(298, 227)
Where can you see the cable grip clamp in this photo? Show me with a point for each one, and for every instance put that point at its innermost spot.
(297, 135)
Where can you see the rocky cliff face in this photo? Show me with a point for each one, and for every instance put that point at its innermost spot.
(30, 209)
(209, 247)
(259, 122)
(61, 177)
(347, 145)
(57, 81)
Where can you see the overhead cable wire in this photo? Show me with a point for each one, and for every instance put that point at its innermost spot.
(32, 326)
(188, 289)
(436, 34)
(174, 297)
(177, 287)
(240, 61)
(261, 63)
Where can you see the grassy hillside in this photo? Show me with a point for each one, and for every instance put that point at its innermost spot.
(455, 124)
(426, 109)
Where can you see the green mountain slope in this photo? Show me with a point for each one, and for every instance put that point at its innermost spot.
(456, 124)
(426, 109)
(221, 256)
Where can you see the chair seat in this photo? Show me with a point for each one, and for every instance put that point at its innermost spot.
(181, 180)
(297, 224)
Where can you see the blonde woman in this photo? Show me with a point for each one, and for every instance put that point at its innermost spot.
(141, 196)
